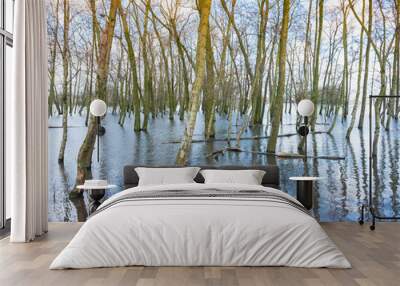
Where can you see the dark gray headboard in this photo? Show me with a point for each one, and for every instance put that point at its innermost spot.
(270, 179)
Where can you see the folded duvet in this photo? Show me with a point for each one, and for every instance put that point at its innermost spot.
(201, 225)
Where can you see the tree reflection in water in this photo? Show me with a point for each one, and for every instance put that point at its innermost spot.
(337, 197)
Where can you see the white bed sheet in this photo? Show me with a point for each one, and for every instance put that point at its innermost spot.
(200, 232)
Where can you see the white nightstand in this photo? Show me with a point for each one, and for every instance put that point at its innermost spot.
(96, 194)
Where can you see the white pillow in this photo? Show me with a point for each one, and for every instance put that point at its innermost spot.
(248, 177)
(166, 176)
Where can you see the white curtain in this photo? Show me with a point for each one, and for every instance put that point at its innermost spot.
(26, 117)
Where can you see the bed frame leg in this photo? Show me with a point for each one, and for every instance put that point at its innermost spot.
(372, 226)
(361, 219)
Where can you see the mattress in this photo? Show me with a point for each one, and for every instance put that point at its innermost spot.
(201, 225)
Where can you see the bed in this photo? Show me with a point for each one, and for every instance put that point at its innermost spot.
(197, 224)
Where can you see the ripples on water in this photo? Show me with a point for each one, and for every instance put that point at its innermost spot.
(338, 196)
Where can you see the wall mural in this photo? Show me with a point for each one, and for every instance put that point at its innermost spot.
(219, 84)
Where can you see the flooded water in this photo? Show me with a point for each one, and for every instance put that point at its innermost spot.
(338, 195)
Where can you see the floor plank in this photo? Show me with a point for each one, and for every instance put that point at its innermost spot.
(375, 257)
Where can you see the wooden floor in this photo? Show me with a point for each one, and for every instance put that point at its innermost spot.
(375, 257)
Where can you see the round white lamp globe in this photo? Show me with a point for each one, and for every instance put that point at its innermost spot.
(98, 108)
(305, 107)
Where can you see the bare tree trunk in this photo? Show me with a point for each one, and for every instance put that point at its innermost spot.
(133, 68)
(366, 67)
(268, 80)
(360, 62)
(69, 93)
(256, 77)
(306, 61)
(65, 58)
(181, 52)
(95, 30)
(345, 86)
(209, 91)
(53, 54)
(231, 16)
(315, 87)
(147, 78)
(170, 92)
(396, 74)
(204, 9)
(278, 102)
(86, 150)
(256, 86)
(382, 53)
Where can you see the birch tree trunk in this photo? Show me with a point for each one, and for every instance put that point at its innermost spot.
(204, 10)
(133, 68)
(181, 52)
(209, 91)
(170, 92)
(53, 54)
(396, 74)
(256, 87)
(64, 99)
(147, 78)
(307, 44)
(345, 82)
(360, 62)
(93, 53)
(366, 67)
(278, 101)
(315, 87)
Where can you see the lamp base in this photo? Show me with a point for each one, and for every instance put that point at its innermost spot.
(101, 130)
(303, 130)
